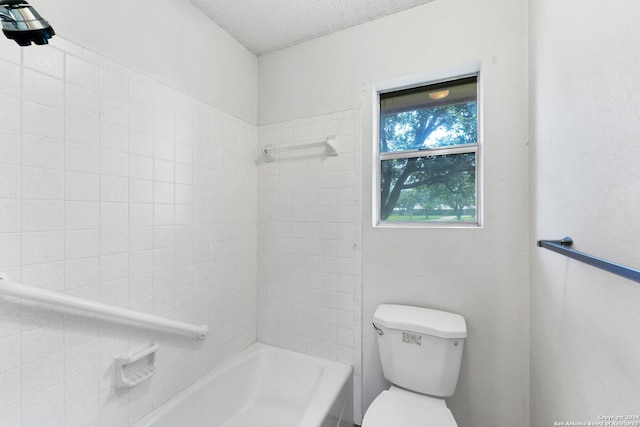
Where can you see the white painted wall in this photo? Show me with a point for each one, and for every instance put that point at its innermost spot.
(480, 273)
(171, 41)
(584, 123)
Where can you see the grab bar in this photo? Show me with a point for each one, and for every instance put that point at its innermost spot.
(18, 290)
(563, 247)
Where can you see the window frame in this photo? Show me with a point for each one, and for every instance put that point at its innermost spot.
(468, 70)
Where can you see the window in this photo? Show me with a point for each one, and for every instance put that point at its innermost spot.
(428, 155)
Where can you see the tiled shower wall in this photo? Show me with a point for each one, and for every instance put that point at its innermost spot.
(118, 189)
(309, 241)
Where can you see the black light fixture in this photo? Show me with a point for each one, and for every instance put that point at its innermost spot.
(21, 22)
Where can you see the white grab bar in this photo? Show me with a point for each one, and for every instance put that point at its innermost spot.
(8, 287)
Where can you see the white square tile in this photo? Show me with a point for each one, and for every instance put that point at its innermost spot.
(114, 137)
(183, 214)
(141, 118)
(10, 415)
(11, 79)
(140, 263)
(184, 174)
(82, 158)
(81, 387)
(113, 111)
(113, 413)
(140, 143)
(164, 128)
(183, 194)
(81, 359)
(41, 343)
(10, 113)
(10, 51)
(163, 192)
(114, 163)
(141, 92)
(140, 191)
(82, 73)
(80, 100)
(10, 249)
(80, 330)
(44, 184)
(82, 215)
(163, 148)
(114, 267)
(140, 238)
(41, 374)
(42, 152)
(114, 189)
(163, 215)
(45, 59)
(42, 247)
(9, 147)
(163, 259)
(140, 214)
(81, 243)
(140, 167)
(163, 303)
(114, 215)
(163, 170)
(184, 153)
(82, 129)
(9, 387)
(80, 273)
(184, 132)
(114, 241)
(163, 105)
(114, 85)
(43, 89)
(9, 314)
(42, 120)
(81, 186)
(9, 353)
(45, 406)
(84, 413)
(42, 215)
(114, 293)
(10, 217)
(9, 181)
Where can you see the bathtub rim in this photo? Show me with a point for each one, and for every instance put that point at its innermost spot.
(323, 397)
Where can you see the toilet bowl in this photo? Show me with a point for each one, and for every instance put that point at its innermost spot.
(420, 352)
(398, 408)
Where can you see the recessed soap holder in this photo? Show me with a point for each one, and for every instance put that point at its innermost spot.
(137, 365)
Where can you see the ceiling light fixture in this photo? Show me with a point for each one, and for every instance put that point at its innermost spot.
(441, 94)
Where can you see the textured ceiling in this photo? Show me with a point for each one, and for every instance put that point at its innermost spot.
(267, 25)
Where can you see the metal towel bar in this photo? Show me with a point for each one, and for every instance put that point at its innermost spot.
(563, 247)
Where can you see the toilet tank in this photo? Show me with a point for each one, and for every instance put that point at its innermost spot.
(420, 348)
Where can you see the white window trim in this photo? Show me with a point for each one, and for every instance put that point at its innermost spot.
(423, 79)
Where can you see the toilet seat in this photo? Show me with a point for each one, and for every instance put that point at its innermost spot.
(397, 407)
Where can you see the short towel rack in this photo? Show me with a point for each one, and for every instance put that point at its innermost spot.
(18, 290)
(328, 144)
(563, 247)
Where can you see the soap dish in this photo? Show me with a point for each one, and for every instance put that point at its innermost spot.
(137, 365)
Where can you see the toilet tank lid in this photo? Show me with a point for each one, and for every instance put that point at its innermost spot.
(421, 320)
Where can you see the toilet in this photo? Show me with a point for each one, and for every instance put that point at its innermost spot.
(420, 352)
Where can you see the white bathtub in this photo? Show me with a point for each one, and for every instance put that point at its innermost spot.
(263, 386)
